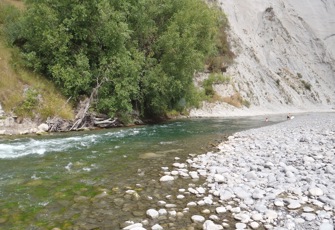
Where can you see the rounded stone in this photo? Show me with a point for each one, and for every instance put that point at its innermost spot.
(198, 219)
(240, 226)
(294, 204)
(254, 225)
(166, 178)
(326, 226)
(152, 213)
(315, 192)
(220, 210)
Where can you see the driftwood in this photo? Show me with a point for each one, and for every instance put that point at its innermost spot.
(106, 123)
(82, 116)
(58, 125)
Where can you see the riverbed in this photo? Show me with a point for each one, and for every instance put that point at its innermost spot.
(80, 180)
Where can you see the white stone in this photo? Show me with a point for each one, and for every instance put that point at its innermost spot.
(206, 211)
(174, 173)
(308, 216)
(198, 219)
(271, 215)
(210, 225)
(133, 226)
(220, 210)
(214, 217)
(219, 178)
(208, 200)
(240, 226)
(226, 195)
(254, 225)
(43, 127)
(326, 226)
(257, 216)
(235, 210)
(180, 197)
(242, 217)
(192, 190)
(161, 203)
(166, 178)
(152, 213)
(130, 192)
(162, 212)
(294, 204)
(194, 175)
(170, 206)
(173, 213)
(308, 209)
(191, 204)
(315, 192)
(279, 203)
(157, 227)
(201, 203)
(201, 190)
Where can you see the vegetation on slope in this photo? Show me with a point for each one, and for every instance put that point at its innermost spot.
(126, 55)
(25, 93)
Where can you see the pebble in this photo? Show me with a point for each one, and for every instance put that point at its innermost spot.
(254, 225)
(326, 226)
(166, 178)
(240, 226)
(210, 225)
(294, 204)
(220, 210)
(152, 213)
(198, 219)
(157, 227)
(276, 177)
(316, 192)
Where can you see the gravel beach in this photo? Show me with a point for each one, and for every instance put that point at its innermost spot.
(275, 177)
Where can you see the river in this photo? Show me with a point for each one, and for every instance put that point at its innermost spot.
(79, 180)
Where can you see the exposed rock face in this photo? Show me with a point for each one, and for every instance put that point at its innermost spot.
(285, 55)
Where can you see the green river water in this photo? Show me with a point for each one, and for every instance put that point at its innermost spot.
(59, 180)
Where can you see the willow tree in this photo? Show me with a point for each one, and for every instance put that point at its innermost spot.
(140, 54)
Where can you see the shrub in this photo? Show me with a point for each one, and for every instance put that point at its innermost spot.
(214, 78)
(307, 85)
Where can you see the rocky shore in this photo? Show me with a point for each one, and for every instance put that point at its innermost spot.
(275, 177)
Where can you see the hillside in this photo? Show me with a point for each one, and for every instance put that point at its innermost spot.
(25, 96)
(285, 57)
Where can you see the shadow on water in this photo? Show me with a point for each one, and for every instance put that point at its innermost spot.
(73, 180)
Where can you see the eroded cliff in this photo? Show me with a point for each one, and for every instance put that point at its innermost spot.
(285, 57)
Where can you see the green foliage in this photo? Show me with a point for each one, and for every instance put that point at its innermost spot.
(134, 52)
(214, 78)
(29, 103)
(8, 16)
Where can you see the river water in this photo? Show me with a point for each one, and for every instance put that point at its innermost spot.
(80, 180)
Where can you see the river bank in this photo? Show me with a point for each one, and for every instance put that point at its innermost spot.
(274, 177)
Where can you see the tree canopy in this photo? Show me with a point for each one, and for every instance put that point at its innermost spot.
(135, 54)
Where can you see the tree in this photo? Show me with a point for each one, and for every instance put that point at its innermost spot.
(140, 54)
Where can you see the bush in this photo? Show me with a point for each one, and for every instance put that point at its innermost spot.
(307, 85)
(128, 52)
(215, 78)
(29, 104)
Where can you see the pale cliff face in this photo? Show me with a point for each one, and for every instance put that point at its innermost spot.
(285, 56)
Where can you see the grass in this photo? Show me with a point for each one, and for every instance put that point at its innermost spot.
(17, 3)
(15, 80)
